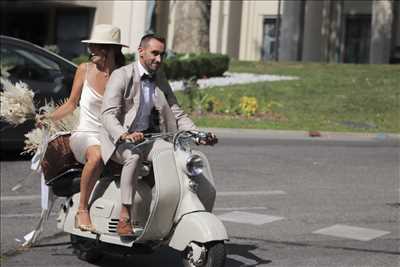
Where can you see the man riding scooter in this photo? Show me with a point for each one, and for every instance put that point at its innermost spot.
(138, 100)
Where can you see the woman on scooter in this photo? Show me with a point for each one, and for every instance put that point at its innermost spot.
(87, 90)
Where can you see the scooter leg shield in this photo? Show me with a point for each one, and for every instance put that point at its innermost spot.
(200, 227)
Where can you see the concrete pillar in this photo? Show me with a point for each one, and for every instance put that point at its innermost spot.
(224, 24)
(162, 17)
(290, 36)
(216, 22)
(381, 31)
(312, 33)
(171, 23)
(233, 28)
(335, 31)
(396, 33)
(130, 16)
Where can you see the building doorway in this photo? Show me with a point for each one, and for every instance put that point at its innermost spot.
(357, 39)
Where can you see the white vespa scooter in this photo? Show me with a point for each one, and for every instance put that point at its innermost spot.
(174, 200)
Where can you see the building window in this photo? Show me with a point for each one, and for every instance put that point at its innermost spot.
(268, 49)
(357, 39)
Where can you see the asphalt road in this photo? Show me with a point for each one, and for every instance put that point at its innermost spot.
(285, 199)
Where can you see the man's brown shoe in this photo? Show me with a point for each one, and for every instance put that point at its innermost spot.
(124, 227)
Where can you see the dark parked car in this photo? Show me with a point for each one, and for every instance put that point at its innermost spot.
(47, 74)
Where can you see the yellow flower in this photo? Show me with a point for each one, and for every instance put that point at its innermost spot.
(248, 105)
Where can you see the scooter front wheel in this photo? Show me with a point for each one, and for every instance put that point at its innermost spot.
(212, 254)
(86, 249)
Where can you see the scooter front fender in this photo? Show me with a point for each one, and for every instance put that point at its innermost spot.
(200, 227)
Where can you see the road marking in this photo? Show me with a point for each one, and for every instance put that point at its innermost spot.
(241, 208)
(17, 198)
(251, 193)
(249, 218)
(241, 259)
(351, 232)
(223, 193)
(20, 215)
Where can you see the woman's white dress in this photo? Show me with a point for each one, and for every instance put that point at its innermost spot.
(88, 131)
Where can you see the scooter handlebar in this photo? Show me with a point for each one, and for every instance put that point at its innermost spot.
(199, 137)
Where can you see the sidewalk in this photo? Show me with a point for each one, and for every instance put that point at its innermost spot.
(302, 135)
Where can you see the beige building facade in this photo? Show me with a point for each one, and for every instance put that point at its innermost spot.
(358, 31)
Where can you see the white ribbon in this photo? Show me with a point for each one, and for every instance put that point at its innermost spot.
(47, 205)
(47, 196)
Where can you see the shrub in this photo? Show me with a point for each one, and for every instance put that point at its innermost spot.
(214, 104)
(129, 57)
(185, 66)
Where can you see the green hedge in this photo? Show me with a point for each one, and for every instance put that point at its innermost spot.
(184, 66)
(196, 65)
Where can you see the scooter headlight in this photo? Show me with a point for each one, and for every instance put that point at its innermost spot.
(194, 165)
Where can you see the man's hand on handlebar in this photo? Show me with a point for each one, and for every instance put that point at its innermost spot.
(134, 137)
(207, 139)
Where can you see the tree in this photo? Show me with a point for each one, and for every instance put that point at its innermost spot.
(192, 26)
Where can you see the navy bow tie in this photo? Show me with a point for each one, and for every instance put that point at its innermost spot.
(148, 77)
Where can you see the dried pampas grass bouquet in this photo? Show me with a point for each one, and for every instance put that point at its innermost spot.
(17, 106)
(16, 102)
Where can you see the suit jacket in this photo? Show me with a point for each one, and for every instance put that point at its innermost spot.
(121, 103)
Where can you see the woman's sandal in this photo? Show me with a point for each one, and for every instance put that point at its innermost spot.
(83, 227)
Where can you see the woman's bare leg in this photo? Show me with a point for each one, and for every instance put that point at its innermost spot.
(91, 172)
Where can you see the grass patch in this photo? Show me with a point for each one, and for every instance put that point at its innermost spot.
(327, 97)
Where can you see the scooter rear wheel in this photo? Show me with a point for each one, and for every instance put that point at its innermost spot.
(215, 256)
(86, 249)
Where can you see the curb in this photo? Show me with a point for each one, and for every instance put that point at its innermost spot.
(302, 135)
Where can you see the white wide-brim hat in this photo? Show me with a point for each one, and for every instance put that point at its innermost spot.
(105, 34)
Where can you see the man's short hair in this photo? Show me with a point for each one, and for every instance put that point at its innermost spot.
(146, 38)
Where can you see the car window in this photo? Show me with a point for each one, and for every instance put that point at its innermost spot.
(23, 64)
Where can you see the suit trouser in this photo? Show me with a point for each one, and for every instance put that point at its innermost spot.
(130, 157)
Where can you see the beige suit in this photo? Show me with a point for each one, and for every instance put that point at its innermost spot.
(119, 110)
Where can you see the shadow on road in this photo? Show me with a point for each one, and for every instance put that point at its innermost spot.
(238, 255)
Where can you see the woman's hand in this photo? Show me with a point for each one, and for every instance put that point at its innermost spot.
(42, 121)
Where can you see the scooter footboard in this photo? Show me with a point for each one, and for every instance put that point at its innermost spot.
(200, 227)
